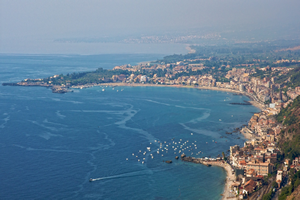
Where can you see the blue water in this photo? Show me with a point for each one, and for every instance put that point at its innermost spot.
(52, 144)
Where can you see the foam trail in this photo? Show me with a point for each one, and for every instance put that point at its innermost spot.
(46, 121)
(130, 174)
(48, 135)
(199, 119)
(60, 115)
(158, 102)
(42, 125)
(202, 132)
(51, 150)
(98, 111)
(122, 124)
(55, 99)
(178, 106)
(191, 108)
(5, 121)
(75, 102)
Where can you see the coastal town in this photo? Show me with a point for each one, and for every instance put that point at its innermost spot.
(255, 170)
(253, 164)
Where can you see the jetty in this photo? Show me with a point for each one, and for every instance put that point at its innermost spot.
(204, 161)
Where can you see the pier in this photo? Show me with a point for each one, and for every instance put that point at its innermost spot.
(204, 161)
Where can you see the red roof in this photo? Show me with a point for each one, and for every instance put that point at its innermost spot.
(260, 176)
(250, 183)
(242, 162)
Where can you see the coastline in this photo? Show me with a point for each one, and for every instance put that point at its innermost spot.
(248, 136)
(253, 101)
(230, 178)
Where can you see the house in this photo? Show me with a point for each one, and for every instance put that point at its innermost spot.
(279, 178)
(250, 186)
(261, 168)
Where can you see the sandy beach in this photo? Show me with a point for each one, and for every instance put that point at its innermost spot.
(253, 102)
(230, 178)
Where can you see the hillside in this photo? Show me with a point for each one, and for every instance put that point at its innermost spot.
(290, 145)
(295, 195)
(290, 136)
(291, 79)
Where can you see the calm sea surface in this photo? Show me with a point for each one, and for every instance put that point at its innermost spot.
(52, 144)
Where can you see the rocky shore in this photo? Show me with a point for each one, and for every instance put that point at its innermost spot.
(54, 88)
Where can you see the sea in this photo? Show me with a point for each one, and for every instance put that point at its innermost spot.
(51, 144)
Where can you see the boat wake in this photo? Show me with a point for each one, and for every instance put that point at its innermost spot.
(130, 174)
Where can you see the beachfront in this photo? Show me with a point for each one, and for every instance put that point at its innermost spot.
(253, 101)
(230, 175)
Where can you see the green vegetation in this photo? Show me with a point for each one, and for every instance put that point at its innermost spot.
(290, 117)
(291, 79)
(288, 113)
(99, 76)
(268, 196)
(291, 148)
(295, 182)
(260, 54)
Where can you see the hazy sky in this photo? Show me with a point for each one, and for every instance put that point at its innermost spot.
(37, 22)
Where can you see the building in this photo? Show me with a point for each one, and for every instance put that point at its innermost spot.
(260, 167)
(279, 178)
(143, 79)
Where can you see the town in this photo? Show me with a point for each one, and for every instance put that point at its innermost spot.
(255, 162)
(260, 167)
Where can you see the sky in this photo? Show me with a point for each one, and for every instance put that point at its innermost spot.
(31, 26)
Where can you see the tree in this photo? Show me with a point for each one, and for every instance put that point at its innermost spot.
(223, 154)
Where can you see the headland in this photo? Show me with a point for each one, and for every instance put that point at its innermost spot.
(271, 83)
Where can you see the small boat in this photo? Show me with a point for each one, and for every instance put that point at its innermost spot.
(103, 90)
(91, 180)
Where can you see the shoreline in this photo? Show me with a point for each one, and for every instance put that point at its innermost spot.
(253, 101)
(247, 135)
(230, 178)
